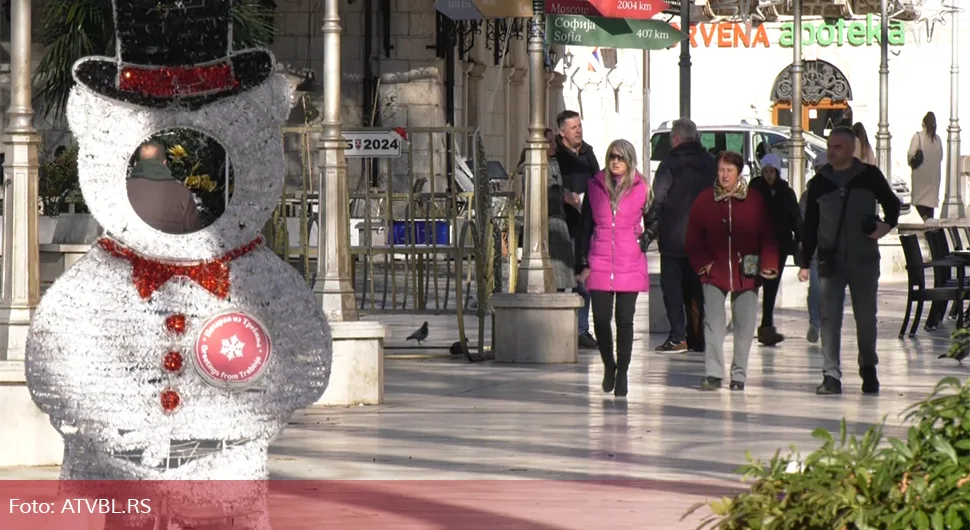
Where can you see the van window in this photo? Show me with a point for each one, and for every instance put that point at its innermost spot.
(715, 142)
(659, 146)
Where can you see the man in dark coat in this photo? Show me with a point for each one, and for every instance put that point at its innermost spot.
(840, 225)
(682, 176)
(578, 164)
(161, 201)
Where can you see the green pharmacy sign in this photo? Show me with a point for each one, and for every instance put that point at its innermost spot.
(627, 33)
(843, 32)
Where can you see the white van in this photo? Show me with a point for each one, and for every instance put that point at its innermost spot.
(754, 141)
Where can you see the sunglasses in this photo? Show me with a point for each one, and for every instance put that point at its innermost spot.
(614, 156)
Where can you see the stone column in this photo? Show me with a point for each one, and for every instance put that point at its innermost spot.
(514, 146)
(357, 373)
(953, 198)
(21, 272)
(554, 102)
(332, 284)
(26, 435)
(538, 324)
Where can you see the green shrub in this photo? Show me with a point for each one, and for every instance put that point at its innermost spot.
(867, 483)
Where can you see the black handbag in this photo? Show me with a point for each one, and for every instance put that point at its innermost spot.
(917, 159)
(826, 256)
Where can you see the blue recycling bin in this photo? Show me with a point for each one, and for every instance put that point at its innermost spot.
(423, 232)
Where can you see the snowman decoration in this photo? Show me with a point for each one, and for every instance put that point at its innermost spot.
(176, 357)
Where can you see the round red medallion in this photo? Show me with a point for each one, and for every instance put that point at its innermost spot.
(232, 350)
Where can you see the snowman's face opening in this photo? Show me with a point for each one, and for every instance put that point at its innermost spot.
(179, 180)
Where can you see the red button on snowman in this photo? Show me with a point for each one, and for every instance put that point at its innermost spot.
(232, 350)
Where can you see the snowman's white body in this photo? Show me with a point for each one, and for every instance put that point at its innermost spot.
(95, 345)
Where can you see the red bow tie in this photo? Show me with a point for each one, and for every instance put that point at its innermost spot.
(149, 274)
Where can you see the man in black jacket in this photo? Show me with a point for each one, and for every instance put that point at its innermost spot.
(840, 224)
(578, 164)
(682, 176)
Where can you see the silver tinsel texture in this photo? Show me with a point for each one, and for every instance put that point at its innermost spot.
(95, 349)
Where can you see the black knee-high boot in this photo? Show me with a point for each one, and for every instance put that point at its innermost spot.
(605, 341)
(624, 353)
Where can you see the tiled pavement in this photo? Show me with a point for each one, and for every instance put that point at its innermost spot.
(445, 419)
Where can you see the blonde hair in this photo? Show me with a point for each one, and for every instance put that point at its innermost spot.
(629, 155)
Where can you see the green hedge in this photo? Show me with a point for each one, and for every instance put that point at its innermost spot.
(868, 482)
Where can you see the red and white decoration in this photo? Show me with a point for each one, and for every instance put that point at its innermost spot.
(232, 350)
(112, 341)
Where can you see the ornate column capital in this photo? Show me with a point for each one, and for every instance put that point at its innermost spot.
(473, 70)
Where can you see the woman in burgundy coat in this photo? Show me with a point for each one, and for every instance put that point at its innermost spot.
(731, 245)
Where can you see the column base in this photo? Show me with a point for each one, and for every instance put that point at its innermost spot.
(536, 327)
(357, 374)
(14, 325)
(656, 310)
(27, 437)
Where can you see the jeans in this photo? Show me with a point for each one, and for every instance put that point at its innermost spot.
(863, 284)
(681, 286)
(603, 312)
(814, 296)
(583, 313)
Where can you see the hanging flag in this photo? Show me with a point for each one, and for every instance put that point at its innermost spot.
(596, 62)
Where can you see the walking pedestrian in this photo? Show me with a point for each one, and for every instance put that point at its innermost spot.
(731, 245)
(578, 164)
(925, 157)
(786, 219)
(610, 258)
(863, 149)
(560, 244)
(686, 172)
(813, 301)
(840, 225)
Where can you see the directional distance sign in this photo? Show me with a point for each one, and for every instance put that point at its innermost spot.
(578, 30)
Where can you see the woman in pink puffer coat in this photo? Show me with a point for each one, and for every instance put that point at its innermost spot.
(609, 257)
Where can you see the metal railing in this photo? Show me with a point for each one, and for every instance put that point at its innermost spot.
(421, 222)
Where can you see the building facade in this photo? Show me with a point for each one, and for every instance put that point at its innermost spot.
(740, 74)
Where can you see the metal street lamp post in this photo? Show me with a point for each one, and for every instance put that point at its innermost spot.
(796, 161)
(332, 285)
(882, 134)
(535, 272)
(953, 198)
(685, 60)
(21, 272)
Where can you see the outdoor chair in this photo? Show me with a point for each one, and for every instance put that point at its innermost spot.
(955, 237)
(917, 290)
(939, 247)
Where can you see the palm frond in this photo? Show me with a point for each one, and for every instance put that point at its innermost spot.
(79, 28)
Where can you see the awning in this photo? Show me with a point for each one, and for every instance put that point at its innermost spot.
(482, 9)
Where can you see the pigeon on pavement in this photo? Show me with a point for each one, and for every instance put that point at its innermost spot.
(421, 334)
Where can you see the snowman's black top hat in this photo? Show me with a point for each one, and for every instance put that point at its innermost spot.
(174, 51)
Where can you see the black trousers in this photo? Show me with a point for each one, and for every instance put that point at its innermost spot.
(605, 305)
(771, 294)
(925, 212)
(683, 300)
